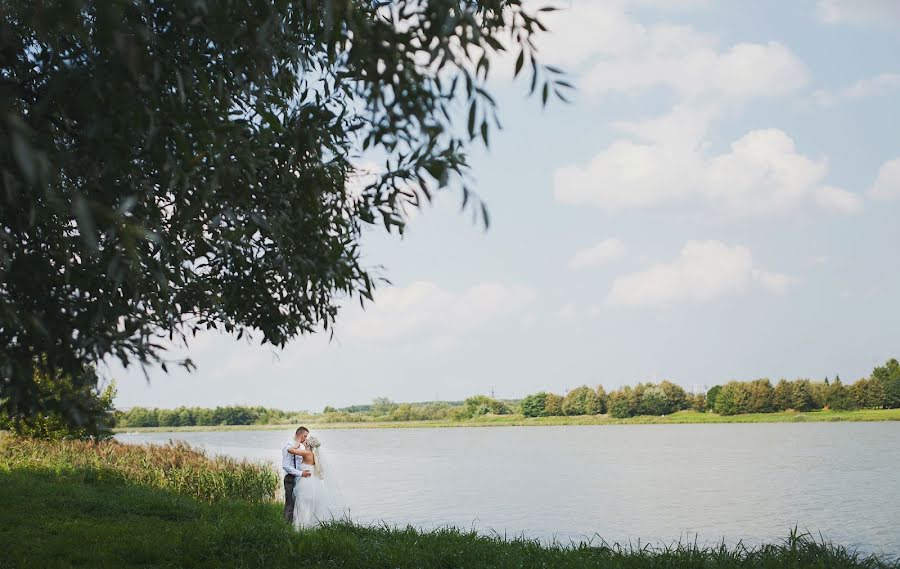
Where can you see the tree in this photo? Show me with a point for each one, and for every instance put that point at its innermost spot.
(803, 398)
(784, 395)
(868, 394)
(478, 405)
(534, 405)
(96, 419)
(711, 396)
(888, 377)
(761, 396)
(733, 399)
(698, 402)
(553, 405)
(602, 399)
(173, 166)
(838, 397)
(581, 401)
(623, 403)
(382, 406)
(653, 401)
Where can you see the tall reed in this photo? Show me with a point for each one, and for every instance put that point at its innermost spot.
(175, 467)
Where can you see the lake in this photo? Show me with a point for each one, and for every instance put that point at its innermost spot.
(751, 482)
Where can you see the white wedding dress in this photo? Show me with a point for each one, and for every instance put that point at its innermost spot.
(316, 497)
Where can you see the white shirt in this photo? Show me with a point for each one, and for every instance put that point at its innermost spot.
(290, 463)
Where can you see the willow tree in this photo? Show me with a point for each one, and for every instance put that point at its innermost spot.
(168, 166)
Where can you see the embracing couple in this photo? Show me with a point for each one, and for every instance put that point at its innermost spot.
(308, 499)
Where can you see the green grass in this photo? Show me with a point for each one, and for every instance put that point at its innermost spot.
(682, 417)
(66, 519)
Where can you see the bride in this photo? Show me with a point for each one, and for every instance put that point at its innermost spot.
(315, 500)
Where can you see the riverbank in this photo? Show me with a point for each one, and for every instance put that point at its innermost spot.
(681, 418)
(65, 519)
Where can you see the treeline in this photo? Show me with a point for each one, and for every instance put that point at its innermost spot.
(881, 390)
(200, 416)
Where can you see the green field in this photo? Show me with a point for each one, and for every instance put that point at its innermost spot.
(682, 417)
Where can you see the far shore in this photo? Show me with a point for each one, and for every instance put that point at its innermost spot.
(681, 418)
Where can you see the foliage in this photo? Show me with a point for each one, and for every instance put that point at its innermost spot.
(711, 396)
(602, 399)
(482, 405)
(623, 403)
(838, 397)
(534, 405)
(129, 526)
(888, 377)
(784, 395)
(175, 467)
(868, 394)
(581, 401)
(698, 402)
(93, 416)
(734, 398)
(652, 400)
(382, 406)
(676, 397)
(553, 405)
(173, 166)
(803, 396)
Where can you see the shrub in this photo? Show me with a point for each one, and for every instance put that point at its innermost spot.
(675, 395)
(483, 405)
(653, 401)
(623, 403)
(698, 402)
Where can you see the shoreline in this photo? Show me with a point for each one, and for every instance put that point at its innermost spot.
(681, 418)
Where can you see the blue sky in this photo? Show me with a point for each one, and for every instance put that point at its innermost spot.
(718, 202)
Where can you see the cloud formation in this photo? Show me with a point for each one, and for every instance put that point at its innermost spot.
(887, 184)
(666, 161)
(604, 252)
(426, 309)
(704, 270)
(877, 86)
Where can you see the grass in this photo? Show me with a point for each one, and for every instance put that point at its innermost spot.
(175, 467)
(68, 517)
(682, 417)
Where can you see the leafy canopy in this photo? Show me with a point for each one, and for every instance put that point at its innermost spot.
(168, 166)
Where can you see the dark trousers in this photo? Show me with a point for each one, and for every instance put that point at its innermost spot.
(289, 481)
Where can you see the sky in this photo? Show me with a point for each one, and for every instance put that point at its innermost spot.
(719, 201)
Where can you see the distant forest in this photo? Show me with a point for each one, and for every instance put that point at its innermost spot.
(881, 390)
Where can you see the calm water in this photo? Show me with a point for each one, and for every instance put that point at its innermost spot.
(649, 482)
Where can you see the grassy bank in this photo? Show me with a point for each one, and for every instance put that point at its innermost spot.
(682, 417)
(59, 514)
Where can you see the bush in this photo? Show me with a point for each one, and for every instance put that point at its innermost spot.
(581, 401)
(675, 395)
(733, 399)
(483, 405)
(698, 402)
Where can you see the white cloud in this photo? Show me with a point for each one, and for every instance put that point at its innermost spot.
(878, 86)
(704, 270)
(887, 184)
(761, 172)
(425, 308)
(603, 252)
(881, 12)
(838, 200)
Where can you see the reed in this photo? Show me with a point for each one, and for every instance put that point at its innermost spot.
(176, 467)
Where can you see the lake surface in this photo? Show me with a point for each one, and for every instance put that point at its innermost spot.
(751, 482)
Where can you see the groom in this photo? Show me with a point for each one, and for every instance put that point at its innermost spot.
(290, 463)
